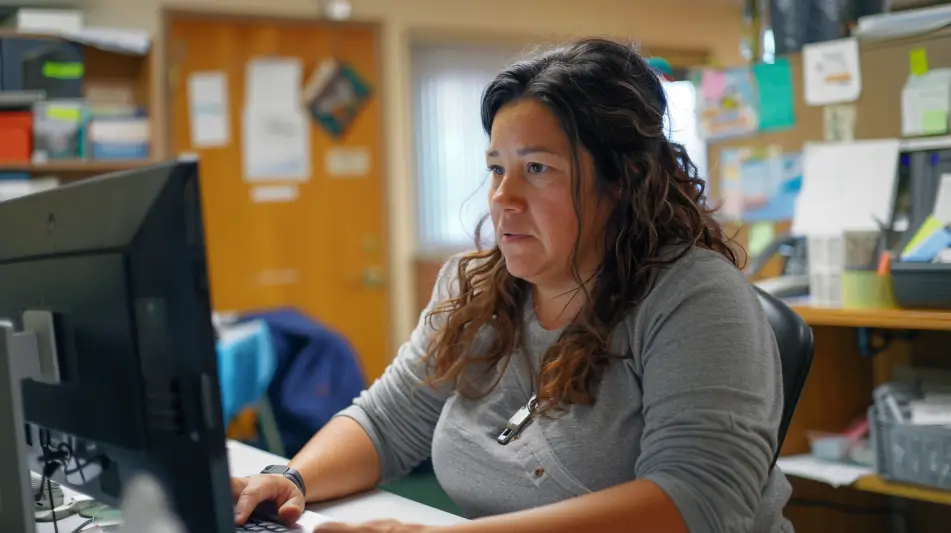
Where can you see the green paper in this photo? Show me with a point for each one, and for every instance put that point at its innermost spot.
(927, 229)
(918, 61)
(761, 234)
(935, 121)
(63, 71)
(776, 97)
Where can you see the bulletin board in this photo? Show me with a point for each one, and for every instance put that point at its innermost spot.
(885, 66)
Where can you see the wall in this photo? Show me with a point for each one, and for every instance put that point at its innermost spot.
(705, 25)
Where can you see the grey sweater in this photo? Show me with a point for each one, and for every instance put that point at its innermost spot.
(695, 408)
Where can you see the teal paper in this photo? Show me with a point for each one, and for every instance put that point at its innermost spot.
(776, 99)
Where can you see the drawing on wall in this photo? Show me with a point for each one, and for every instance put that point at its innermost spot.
(831, 72)
(726, 103)
(335, 95)
(760, 184)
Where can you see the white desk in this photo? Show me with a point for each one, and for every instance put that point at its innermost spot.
(375, 505)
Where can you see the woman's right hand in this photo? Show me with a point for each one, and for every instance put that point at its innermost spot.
(272, 493)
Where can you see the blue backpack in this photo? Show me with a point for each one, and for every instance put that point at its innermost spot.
(317, 374)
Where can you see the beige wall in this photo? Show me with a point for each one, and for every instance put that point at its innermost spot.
(712, 25)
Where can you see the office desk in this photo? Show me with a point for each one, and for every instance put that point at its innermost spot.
(855, 350)
(375, 505)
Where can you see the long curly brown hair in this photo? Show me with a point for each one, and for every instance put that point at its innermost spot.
(610, 103)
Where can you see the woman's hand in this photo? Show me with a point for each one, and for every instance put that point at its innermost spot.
(274, 494)
(382, 526)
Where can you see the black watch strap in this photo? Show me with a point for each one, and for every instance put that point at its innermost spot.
(289, 473)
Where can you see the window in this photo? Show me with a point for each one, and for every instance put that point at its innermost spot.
(682, 120)
(450, 144)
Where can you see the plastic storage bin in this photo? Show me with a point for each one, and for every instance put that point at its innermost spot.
(922, 285)
(911, 453)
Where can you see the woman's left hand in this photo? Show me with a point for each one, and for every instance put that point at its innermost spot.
(380, 526)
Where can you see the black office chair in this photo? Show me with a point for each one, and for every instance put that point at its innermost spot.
(794, 338)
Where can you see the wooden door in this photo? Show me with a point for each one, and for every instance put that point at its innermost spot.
(323, 252)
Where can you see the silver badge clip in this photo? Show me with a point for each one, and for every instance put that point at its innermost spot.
(519, 420)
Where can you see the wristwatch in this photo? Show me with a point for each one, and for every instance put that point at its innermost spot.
(289, 473)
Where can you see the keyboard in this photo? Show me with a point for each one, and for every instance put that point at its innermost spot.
(258, 525)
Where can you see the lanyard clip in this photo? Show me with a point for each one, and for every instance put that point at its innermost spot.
(517, 423)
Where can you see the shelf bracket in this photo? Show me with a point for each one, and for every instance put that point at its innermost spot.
(873, 341)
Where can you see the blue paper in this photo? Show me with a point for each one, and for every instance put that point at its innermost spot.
(770, 187)
(929, 248)
(776, 98)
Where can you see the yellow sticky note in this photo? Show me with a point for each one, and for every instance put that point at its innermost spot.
(919, 61)
(935, 122)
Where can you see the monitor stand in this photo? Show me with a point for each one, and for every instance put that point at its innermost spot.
(29, 354)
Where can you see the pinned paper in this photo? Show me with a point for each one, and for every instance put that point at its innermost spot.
(831, 72)
(269, 194)
(275, 131)
(926, 102)
(275, 145)
(918, 60)
(208, 109)
(759, 184)
(832, 169)
(761, 235)
(347, 162)
(712, 84)
(335, 95)
(942, 205)
(776, 99)
(839, 122)
(273, 82)
(935, 122)
(727, 103)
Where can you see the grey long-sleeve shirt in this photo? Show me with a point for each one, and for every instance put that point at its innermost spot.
(695, 409)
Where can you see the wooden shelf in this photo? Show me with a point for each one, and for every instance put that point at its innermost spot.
(70, 168)
(876, 318)
(911, 492)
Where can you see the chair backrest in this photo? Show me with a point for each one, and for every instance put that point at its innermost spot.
(794, 338)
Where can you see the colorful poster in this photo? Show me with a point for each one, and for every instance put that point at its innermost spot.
(731, 190)
(759, 185)
(335, 95)
(771, 184)
(726, 103)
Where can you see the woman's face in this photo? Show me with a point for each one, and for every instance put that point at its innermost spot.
(530, 197)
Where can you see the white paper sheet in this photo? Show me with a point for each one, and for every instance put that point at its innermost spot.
(273, 82)
(942, 205)
(208, 111)
(275, 145)
(839, 122)
(347, 162)
(831, 72)
(835, 474)
(926, 103)
(272, 194)
(846, 186)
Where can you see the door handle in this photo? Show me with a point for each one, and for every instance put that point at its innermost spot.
(373, 277)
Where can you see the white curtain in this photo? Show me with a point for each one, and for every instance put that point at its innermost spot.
(450, 144)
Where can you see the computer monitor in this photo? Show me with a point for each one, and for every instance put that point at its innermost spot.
(107, 279)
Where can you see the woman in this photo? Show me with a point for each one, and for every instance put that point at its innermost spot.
(605, 367)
